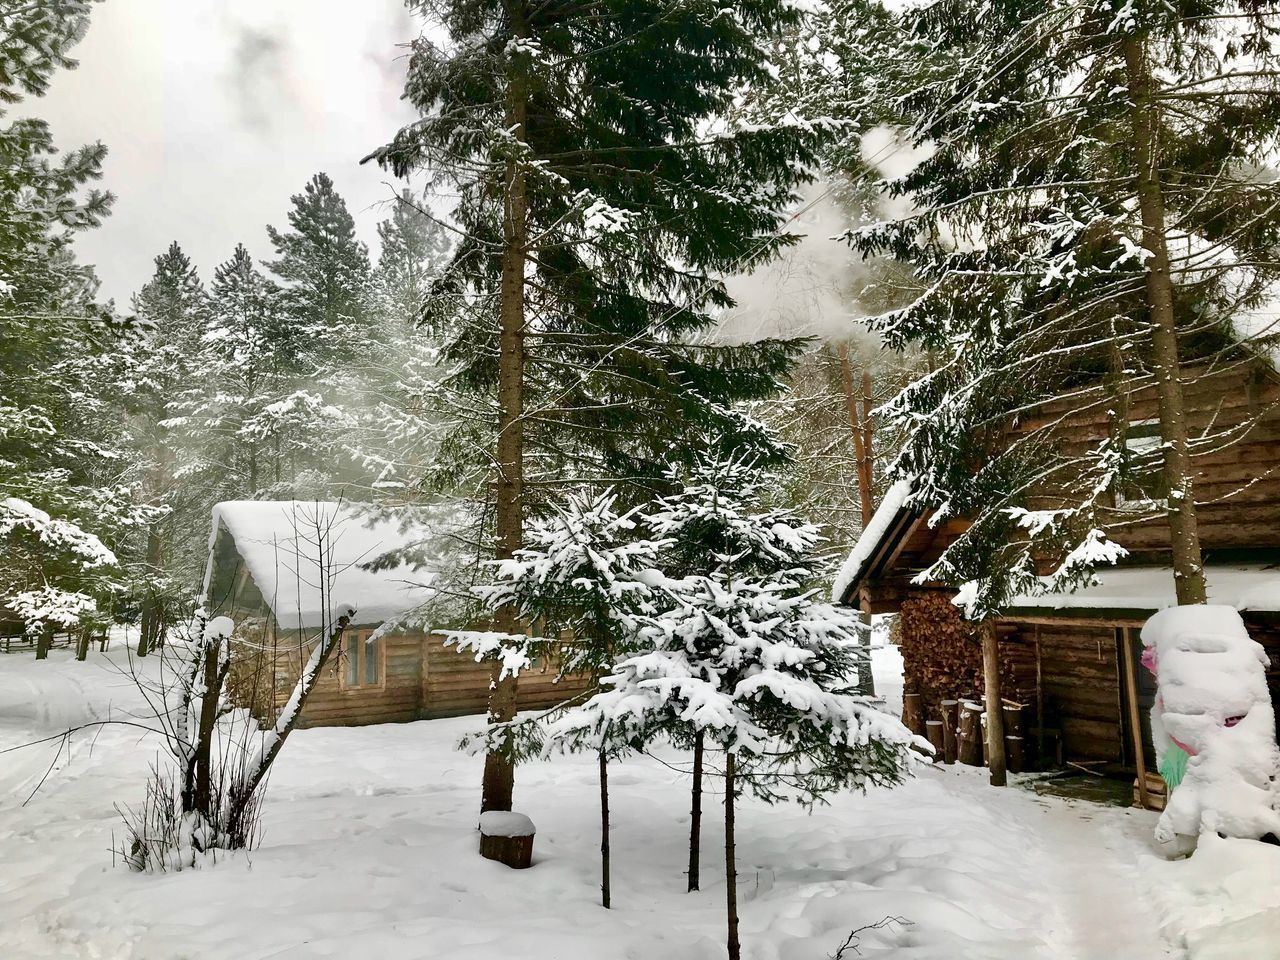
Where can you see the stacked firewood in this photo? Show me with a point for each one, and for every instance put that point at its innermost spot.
(943, 682)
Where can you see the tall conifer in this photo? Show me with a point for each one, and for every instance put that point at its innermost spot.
(600, 192)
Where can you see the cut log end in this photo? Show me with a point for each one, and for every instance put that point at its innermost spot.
(507, 837)
(515, 852)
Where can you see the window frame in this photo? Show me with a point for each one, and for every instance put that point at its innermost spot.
(361, 638)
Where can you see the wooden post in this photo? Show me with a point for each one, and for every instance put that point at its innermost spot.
(934, 732)
(950, 720)
(44, 640)
(1135, 718)
(82, 643)
(913, 713)
(995, 706)
(969, 748)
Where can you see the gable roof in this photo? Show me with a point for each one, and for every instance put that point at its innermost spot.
(893, 520)
(306, 557)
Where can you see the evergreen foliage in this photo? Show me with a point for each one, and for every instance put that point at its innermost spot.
(638, 196)
(63, 504)
(1076, 232)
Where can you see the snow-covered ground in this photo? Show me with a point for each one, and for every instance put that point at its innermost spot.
(369, 851)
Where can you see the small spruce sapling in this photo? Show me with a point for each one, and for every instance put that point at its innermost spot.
(717, 523)
(586, 570)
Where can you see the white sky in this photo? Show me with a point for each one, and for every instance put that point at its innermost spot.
(216, 111)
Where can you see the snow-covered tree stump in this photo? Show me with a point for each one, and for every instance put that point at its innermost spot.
(507, 837)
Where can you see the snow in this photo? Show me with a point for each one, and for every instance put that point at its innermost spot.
(1245, 587)
(370, 849)
(895, 499)
(505, 823)
(281, 543)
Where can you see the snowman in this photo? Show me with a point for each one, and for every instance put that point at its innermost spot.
(1213, 727)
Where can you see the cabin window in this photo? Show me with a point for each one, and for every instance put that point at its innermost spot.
(1145, 480)
(363, 666)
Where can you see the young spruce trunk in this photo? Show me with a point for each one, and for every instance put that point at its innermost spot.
(730, 862)
(499, 769)
(604, 829)
(1188, 569)
(695, 814)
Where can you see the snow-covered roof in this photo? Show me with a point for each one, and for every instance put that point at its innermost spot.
(895, 499)
(1245, 587)
(282, 543)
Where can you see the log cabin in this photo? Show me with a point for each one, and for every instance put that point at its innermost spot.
(1068, 659)
(280, 568)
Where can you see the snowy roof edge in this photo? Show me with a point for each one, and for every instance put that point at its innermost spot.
(881, 522)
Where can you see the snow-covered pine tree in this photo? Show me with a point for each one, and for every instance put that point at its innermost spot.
(327, 340)
(585, 571)
(763, 670)
(596, 210)
(717, 524)
(242, 356)
(326, 275)
(64, 508)
(1075, 225)
(399, 420)
(160, 362)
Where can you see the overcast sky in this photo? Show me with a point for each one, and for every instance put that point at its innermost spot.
(216, 111)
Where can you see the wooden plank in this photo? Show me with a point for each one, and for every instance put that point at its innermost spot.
(1135, 720)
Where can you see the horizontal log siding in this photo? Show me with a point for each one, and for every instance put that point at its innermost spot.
(395, 700)
(1080, 684)
(454, 684)
(1237, 476)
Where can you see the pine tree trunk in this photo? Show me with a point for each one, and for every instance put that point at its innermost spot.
(604, 829)
(1188, 568)
(730, 862)
(499, 770)
(43, 642)
(149, 626)
(994, 702)
(695, 814)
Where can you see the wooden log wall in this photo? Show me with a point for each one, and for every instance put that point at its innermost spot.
(419, 679)
(1233, 408)
(1080, 688)
(1266, 630)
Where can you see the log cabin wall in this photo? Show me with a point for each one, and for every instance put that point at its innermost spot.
(1233, 418)
(454, 684)
(1079, 687)
(403, 677)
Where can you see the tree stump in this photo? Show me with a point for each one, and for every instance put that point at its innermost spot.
(969, 738)
(933, 730)
(913, 713)
(1014, 754)
(950, 720)
(507, 837)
